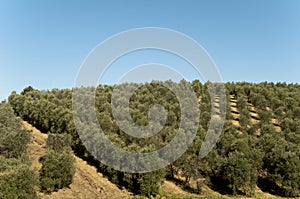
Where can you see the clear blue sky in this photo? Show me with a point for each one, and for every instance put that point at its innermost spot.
(43, 43)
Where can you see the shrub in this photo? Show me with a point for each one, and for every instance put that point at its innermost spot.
(150, 182)
(13, 139)
(57, 170)
(17, 179)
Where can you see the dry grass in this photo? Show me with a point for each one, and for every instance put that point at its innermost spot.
(171, 189)
(36, 147)
(233, 108)
(234, 112)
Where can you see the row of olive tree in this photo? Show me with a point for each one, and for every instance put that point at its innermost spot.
(241, 160)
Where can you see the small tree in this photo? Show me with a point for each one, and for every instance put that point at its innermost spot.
(282, 164)
(150, 182)
(57, 170)
(244, 118)
(58, 163)
(13, 139)
(17, 179)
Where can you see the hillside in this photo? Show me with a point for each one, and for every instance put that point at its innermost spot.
(257, 153)
(88, 183)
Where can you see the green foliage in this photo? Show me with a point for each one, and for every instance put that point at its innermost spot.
(283, 166)
(236, 163)
(13, 139)
(58, 164)
(238, 160)
(244, 118)
(265, 116)
(58, 142)
(17, 179)
(27, 90)
(150, 182)
(238, 173)
(57, 170)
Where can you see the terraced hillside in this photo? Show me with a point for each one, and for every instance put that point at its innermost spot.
(254, 116)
